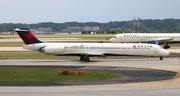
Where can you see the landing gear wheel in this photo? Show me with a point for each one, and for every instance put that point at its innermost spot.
(82, 58)
(161, 58)
(87, 59)
(166, 47)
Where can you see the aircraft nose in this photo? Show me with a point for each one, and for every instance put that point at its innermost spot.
(165, 53)
(112, 40)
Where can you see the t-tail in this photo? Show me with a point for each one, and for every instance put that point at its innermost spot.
(27, 36)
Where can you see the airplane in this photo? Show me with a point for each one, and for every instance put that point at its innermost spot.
(86, 50)
(150, 38)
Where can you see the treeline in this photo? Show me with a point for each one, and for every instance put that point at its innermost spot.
(148, 25)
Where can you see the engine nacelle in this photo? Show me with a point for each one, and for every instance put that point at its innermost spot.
(152, 42)
(52, 49)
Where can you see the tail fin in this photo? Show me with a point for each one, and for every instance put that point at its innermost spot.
(27, 36)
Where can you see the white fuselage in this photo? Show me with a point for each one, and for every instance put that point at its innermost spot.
(98, 49)
(145, 37)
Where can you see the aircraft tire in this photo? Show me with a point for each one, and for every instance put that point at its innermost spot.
(87, 59)
(82, 58)
(166, 47)
(161, 58)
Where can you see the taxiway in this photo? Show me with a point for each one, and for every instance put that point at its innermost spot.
(169, 87)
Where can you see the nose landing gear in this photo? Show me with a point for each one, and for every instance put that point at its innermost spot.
(161, 58)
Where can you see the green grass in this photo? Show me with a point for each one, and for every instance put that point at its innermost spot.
(79, 36)
(27, 55)
(174, 45)
(49, 75)
(11, 44)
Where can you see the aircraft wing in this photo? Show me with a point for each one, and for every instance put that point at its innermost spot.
(161, 40)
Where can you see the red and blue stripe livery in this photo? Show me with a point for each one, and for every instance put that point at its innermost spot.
(27, 36)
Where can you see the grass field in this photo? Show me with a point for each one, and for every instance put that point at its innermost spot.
(27, 55)
(78, 36)
(50, 75)
(11, 44)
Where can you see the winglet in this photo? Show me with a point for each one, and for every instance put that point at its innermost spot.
(27, 36)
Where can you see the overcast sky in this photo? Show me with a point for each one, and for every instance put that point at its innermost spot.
(60, 11)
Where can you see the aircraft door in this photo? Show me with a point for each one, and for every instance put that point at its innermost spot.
(120, 37)
(142, 37)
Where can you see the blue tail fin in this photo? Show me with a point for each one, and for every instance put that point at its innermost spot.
(27, 36)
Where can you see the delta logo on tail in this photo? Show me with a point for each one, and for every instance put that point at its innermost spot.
(27, 36)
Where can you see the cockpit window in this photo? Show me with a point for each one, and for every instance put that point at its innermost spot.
(114, 37)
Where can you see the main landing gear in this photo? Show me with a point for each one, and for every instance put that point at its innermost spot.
(83, 58)
(166, 45)
(161, 57)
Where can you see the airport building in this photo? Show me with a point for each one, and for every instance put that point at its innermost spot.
(79, 30)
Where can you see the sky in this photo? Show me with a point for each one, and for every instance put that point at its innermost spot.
(102, 11)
